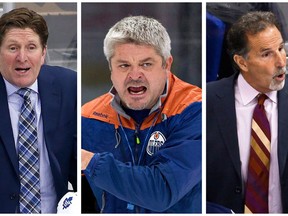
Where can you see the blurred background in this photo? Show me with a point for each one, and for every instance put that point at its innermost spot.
(183, 24)
(61, 19)
(219, 17)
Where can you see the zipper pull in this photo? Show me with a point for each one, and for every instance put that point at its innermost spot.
(137, 140)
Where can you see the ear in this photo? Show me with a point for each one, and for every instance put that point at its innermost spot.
(241, 62)
(169, 63)
(43, 55)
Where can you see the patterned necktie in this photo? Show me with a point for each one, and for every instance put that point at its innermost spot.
(256, 197)
(28, 157)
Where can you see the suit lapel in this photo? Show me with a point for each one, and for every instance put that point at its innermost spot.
(283, 128)
(227, 119)
(6, 132)
(50, 96)
(50, 101)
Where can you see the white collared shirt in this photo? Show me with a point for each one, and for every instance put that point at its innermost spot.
(245, 102)
(15, 101)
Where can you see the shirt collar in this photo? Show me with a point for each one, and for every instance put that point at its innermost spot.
(248, 93)
(11, 89)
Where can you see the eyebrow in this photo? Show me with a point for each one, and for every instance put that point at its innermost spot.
(141, 61)
(11, 40)
(121, 61)
(147, 59)
(267, 49)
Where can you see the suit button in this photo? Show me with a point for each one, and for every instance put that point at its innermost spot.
(238, 190)
(12, 196)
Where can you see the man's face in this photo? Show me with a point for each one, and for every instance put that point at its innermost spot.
(21, 56)
(265, 64)
(138, 75)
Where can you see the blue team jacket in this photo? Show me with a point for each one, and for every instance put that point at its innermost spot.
(152, 167)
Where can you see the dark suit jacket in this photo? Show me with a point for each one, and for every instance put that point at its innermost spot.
(224, 184)
(58, 94)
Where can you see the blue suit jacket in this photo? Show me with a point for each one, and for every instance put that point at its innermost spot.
(58, 94)
(224, 184)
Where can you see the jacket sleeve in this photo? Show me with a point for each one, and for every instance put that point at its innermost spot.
(173, 173)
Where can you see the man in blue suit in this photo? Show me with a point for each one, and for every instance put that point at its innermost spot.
(23, 48)
(256, 47)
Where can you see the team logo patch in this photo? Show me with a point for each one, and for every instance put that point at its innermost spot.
(157, 139)
(67, 202)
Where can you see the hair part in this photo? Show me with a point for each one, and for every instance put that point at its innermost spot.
(139, 30)
(24, 18)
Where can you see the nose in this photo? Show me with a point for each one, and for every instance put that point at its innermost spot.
(281, 59)
(135, 73)
(22, 55)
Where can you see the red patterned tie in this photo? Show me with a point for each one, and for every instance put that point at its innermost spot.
(256, 197)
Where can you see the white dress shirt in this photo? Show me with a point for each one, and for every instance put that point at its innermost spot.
(15, 101)
(245, 102)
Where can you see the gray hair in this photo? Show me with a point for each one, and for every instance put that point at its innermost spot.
(139, 30)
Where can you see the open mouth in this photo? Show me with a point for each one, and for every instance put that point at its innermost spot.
(137, 90)
(22, 70)
(280, 75)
